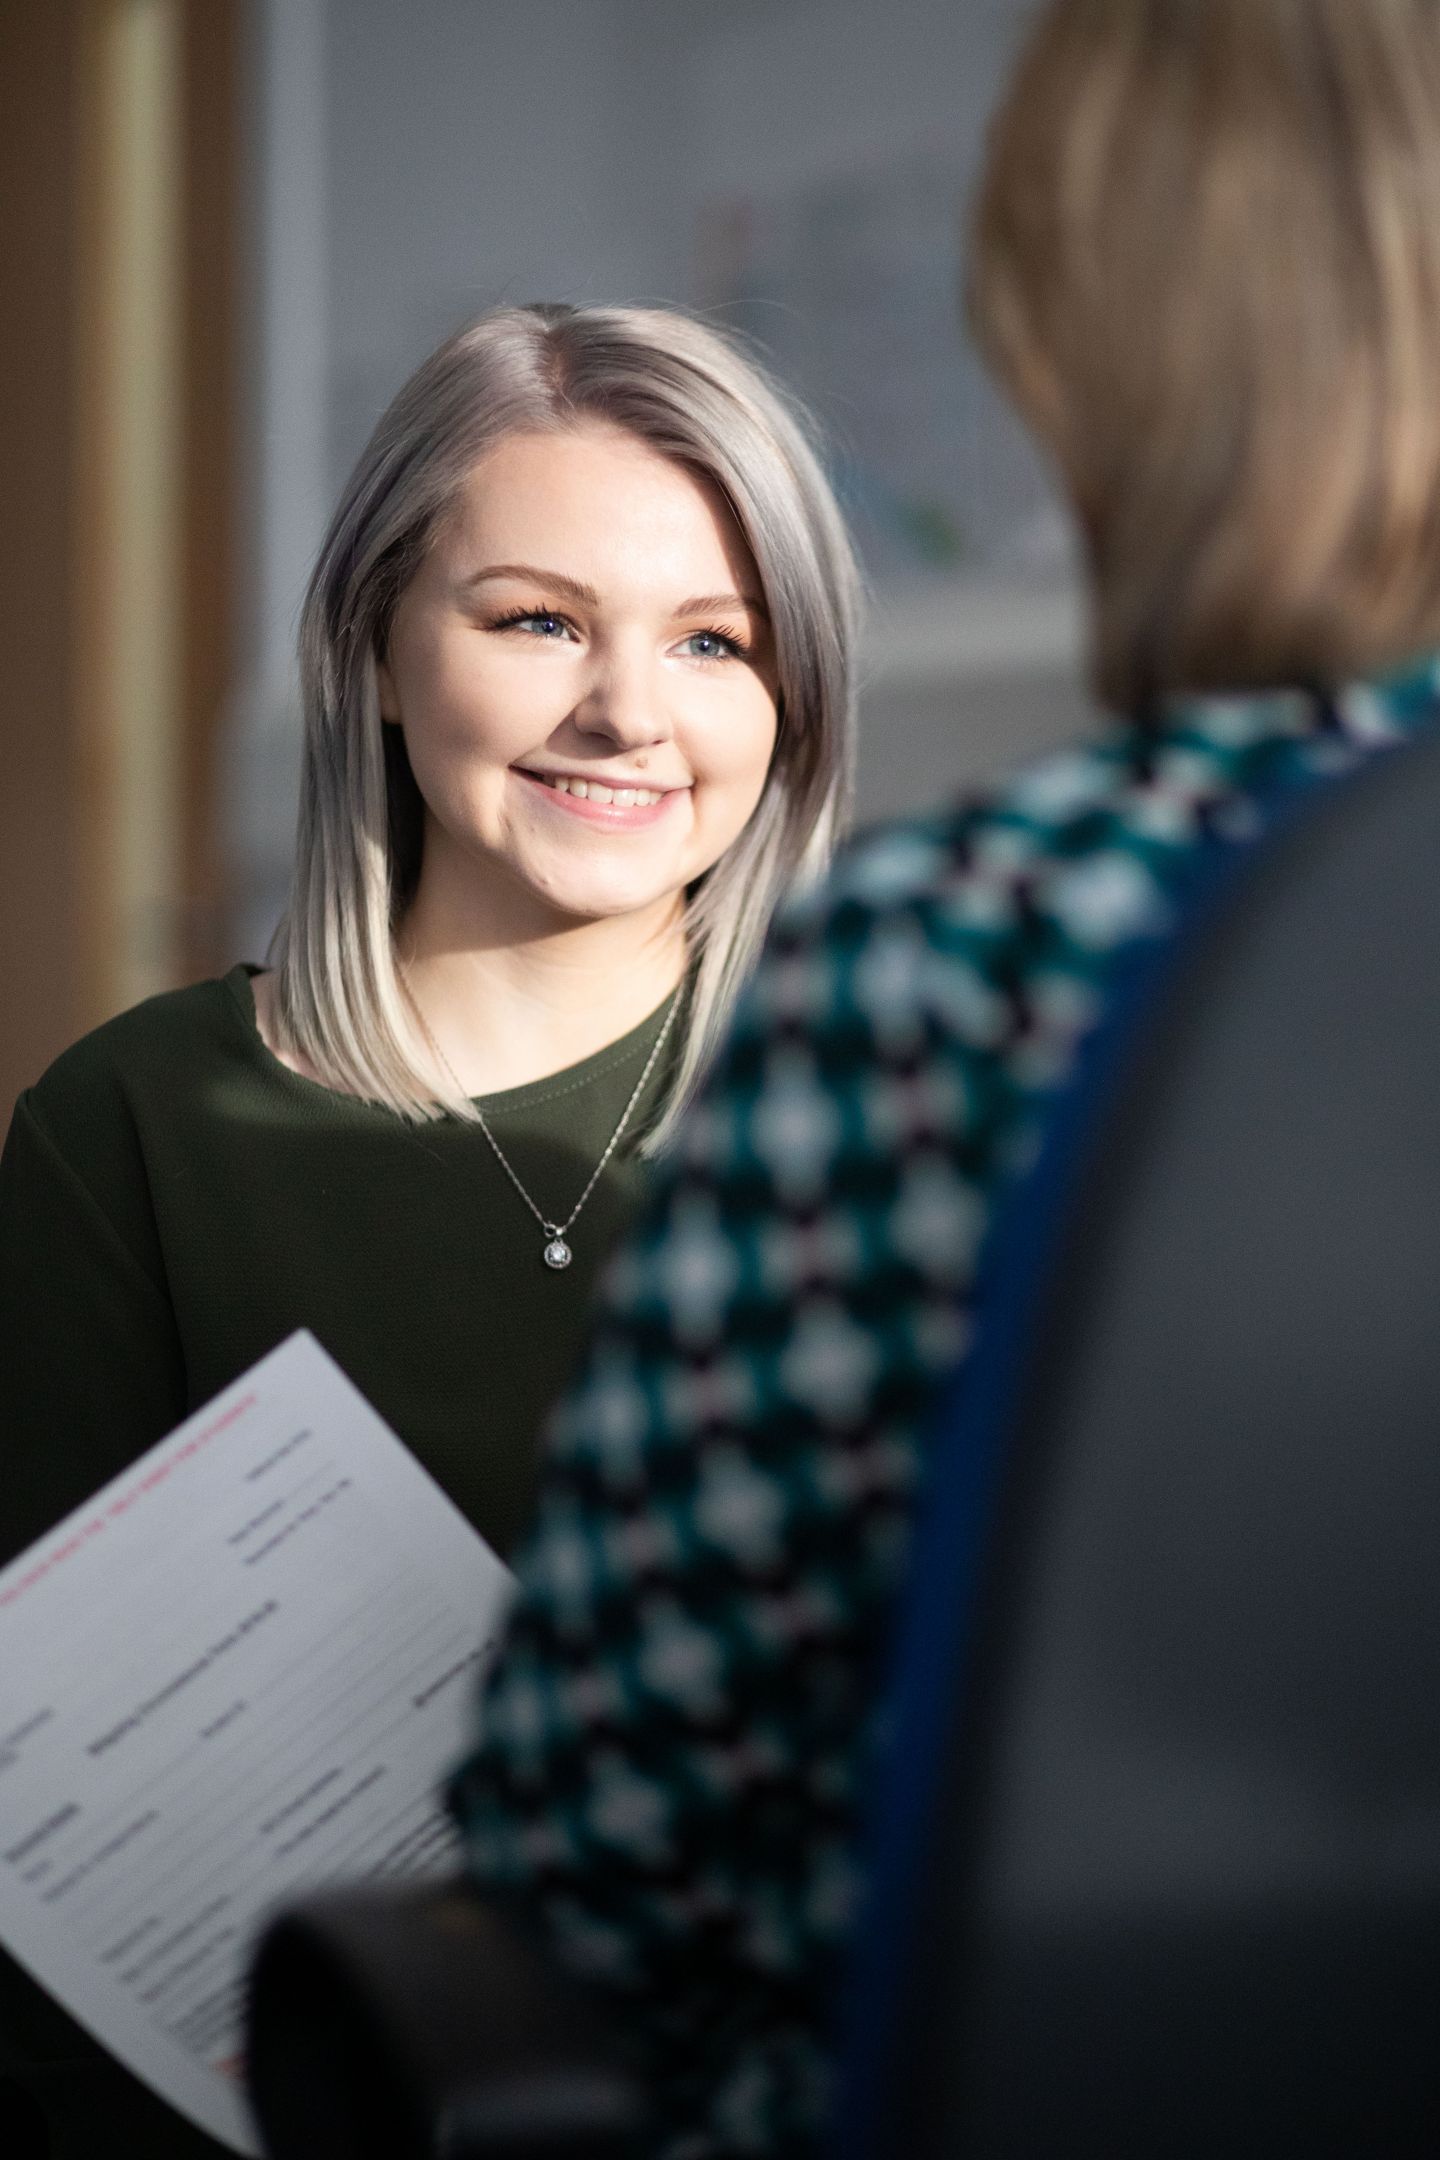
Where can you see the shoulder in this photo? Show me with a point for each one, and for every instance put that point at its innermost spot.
(88, 1102)
(956, 886)
(1041, 811)
(156, 1043)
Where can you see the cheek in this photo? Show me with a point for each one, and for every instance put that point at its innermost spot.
(473, 713)
(734, 754)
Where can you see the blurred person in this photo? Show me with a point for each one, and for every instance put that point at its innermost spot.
(576, 680)
(1207, 267)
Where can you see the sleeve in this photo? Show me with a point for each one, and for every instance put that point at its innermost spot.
(90, 1375)
(90, 1365)
(672, 1735)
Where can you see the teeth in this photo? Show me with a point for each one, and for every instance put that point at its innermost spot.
(623, 798)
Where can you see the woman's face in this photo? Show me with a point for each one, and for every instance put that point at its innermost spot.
(585, 675)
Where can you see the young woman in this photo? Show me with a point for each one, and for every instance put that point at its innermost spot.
(576, 664)
(1207, 265)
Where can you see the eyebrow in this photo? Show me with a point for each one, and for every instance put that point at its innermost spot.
(532, 574)
(557, 581)
(719, 603)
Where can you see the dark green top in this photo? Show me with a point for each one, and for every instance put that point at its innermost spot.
(174, 1201)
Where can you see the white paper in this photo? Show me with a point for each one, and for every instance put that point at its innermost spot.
(237, 1673)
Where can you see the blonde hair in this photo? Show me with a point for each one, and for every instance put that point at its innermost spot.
(690, 394)
(1207, 263)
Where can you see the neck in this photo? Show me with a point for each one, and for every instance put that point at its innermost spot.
(510, 1001)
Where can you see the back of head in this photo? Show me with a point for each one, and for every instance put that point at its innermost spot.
(1207, 265)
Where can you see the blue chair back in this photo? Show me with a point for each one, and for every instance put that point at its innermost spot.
(1157, 1856)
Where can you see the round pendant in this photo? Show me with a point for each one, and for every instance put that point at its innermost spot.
(558, 1253)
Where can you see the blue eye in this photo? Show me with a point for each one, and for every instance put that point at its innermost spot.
(537, 623)
(714, 645)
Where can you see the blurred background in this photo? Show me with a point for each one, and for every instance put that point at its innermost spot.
(233, 226)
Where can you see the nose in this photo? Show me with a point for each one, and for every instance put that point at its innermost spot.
(624, 701)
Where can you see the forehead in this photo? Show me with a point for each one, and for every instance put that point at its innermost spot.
(595, 501)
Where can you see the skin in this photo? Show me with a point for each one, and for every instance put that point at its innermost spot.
(632, 650)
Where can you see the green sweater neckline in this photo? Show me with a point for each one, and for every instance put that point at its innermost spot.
(568, 1080)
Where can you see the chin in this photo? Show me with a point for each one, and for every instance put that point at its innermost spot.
(605, 899)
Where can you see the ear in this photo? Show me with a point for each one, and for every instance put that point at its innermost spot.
(385, 684)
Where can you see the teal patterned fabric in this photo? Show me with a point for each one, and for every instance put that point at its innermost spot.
(675, 1737)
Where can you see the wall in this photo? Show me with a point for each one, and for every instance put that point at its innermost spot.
(564, 148)
(519, 150)
(46, 956)
(116, 559)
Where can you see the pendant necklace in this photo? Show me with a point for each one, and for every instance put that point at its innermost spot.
(557, 1253)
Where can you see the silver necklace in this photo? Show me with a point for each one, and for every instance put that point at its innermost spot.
(557, 1253)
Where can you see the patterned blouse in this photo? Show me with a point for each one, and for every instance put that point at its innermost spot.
(676, 1735)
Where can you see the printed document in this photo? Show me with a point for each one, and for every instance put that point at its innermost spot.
(238, 1673)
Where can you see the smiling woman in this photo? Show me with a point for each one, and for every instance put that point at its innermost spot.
(583, 673)
(589, 544)
(576, 668)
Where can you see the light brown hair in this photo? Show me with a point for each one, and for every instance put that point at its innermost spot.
(1207, 265)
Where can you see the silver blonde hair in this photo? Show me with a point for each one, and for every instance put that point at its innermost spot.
(689, 393)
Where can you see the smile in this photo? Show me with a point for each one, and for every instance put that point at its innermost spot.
(596, 791)
(598, 801)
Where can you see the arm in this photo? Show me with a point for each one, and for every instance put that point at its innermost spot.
(90, 1367)
(90, 1375)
